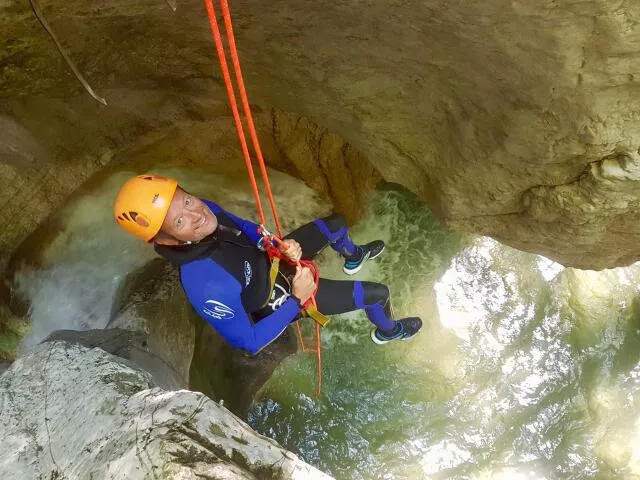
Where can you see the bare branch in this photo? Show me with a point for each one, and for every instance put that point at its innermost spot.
(85, 84)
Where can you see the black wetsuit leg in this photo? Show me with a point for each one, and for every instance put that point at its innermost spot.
(312, 240)
(342, 296)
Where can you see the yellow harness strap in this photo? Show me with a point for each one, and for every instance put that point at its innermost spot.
(310, 311)
(273, 274)
(313, 312)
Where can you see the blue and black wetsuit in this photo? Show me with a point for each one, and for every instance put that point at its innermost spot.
(226, 279)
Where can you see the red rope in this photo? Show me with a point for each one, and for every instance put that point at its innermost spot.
(224, 5)
(232, 102)
(256, 146)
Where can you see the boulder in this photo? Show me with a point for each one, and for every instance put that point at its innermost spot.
(69, 411)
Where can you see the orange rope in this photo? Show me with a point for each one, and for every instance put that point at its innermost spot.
(224, 5)
(232, 102)
(254, 138)
(226, 13)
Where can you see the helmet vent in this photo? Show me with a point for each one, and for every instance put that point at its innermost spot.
(139, 219)
(142, 204)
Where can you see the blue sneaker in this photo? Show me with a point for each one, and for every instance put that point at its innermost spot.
(404, 330)
(363, 253)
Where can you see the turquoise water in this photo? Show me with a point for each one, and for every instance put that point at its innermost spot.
(524, 369)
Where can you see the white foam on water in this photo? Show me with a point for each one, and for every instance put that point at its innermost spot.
(83, 267)
(513, 473)
(548, 268)
(461, 308)
(443, 455)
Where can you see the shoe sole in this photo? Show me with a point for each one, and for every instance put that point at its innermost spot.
(377, 341)
(359, 267)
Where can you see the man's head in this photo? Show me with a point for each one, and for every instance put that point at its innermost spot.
(152, 207)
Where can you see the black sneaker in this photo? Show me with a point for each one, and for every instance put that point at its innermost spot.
(404, 330)
(363, 253)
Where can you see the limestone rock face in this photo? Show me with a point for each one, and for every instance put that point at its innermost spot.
(498, 113)
(151, 301)
(505, 116)
(128, 345)
(73, 412)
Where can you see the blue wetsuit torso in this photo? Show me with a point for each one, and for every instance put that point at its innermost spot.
(226, 279)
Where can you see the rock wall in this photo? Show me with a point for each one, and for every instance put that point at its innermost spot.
(505, 116)
(493, 111)
(151, 301)
(56, 137)
(74, 412)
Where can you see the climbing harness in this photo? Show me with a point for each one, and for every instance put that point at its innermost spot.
(272, 244)
(275, 255)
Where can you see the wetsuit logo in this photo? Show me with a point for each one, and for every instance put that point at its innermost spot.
(247, 273)
(217, 310)
(278, 297)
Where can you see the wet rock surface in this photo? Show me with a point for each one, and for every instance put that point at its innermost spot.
(70, 411)
(492, 111)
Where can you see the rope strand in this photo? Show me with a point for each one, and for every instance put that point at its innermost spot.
(215, 30)
(224, 5)
(232, 101)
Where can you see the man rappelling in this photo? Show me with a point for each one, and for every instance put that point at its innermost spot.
(227, 275)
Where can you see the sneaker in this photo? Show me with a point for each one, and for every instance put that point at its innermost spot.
(404, 330)
(363, 253)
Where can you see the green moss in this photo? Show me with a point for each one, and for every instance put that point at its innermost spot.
(125, 383)
(180, 411)
(184, 430)
(262, 472)
(240, 440)
(240, 460)
(191, 455)
(108, 406)
(217, 431)
(12, 330)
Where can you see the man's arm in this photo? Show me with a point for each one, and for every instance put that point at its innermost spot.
(219, 303)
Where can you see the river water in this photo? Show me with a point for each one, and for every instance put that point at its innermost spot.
(523, 370)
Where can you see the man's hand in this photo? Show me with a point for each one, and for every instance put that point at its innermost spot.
(293, 251)
(303, 284)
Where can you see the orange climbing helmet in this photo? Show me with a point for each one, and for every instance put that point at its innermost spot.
(143, 203)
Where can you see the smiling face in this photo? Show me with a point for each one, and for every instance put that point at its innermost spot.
(188, 219)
